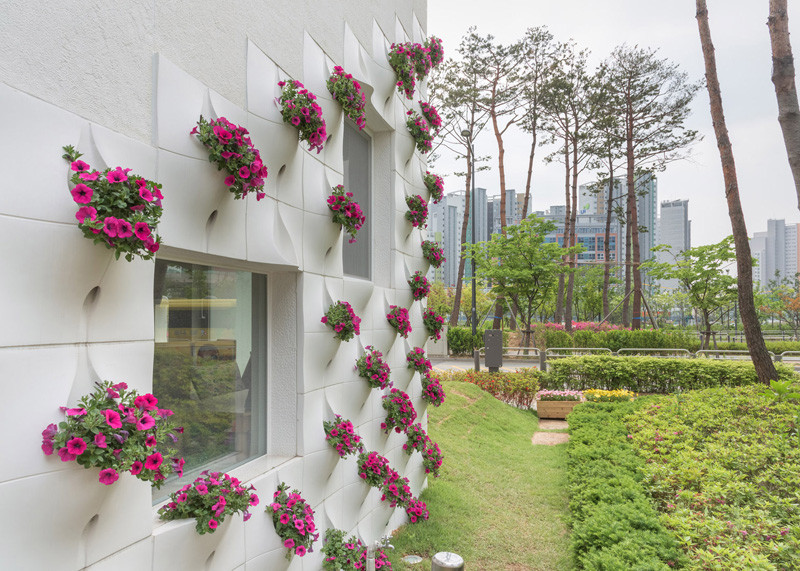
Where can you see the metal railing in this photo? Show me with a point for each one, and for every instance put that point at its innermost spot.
(737, 355)
(657, 352)
(559, 352)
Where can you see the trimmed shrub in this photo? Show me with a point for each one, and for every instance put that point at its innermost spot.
(614, 523)
(460, 340)
(650, 374)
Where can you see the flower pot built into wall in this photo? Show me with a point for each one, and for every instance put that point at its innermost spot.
(558, 409)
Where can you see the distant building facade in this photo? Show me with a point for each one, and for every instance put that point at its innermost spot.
(675, 230)
(776, 252)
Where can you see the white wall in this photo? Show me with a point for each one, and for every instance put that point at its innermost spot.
(125, 82)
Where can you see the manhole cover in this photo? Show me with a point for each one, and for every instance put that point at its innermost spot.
(412, 559)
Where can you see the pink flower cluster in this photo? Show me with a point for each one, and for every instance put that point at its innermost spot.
(433, 253)
(299, 108)
(417, 210)
(432, 390)
(414, 60)
(433, 323)
(420, 288)
(559, 395)
(431, 115)
(415, 439)
(420, 131)
(418, 361)
(584, 326)
(435, 185)
(210, 499)
(373, 468)
(230, 148)
(400, 413)
(398, 318)
(343, 319)
(346, 211)
(347, 91)
(117, 430)
(349, 554)
(396, 490)
(373, 368)
(293, 519)
(432, 458)
(116, 208)
(341, 436)
(417, 510)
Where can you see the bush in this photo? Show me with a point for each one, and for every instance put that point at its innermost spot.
(460, 340)
(544, 337)
(639, 339)
(614, 524)
(650, 374)
(722, 466)
(518, 388)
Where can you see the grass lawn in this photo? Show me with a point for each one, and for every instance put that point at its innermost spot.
(500, 502)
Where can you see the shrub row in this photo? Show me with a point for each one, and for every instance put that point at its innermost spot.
(650, 374)
(517, 389)
(614, 523)
(722, 466)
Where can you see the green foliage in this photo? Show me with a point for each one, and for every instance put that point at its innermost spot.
(520, 265)
(617, 339)
(614, 524)
(517, 389)
(650, 374)
(723, 466)
(545, 337)
(461, 342)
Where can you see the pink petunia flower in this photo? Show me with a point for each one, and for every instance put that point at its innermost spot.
(289, 543)
(212, 524)
(75, 411)
(82, 194)
(112, 418)
(111, 226)
(124, 229)
(89, 175)
(65, 455)
(229, 180)
(202, 489)
(301, 550)
(108, 476)
(136, 467)
(76, 446)
(142, 230)
(100, 440)
(145, 423)
(150, 441)
(145, 193)
(146, 401)
(285, 518)
(85, 212)
(153, 461)
(117, 175)
(79, 166)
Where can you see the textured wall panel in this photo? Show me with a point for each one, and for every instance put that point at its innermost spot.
(45, 300)
(263, 76)
(177, 546)
(128, 559)
(312, 410)
(180, 100)
(320, 238)
(259, 531)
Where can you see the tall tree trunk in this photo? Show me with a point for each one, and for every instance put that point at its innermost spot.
(626, 304)
(530, 175)
(499, 310)
(560, 305)
(744, 266)
(633, 221)
(785, 88)
(573, 258)
(462, 261)
(606, 245)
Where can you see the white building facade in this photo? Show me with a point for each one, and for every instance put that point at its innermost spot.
(125, 83)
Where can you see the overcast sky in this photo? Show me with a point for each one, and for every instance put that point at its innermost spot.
(741, 39)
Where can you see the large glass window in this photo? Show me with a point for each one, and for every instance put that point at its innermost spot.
(357, 257)
(210, 361)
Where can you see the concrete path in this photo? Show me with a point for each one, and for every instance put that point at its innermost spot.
(545, 436)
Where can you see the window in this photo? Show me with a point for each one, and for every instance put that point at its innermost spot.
(209, 363)
(357, 257)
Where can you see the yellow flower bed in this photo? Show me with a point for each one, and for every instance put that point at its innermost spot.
(599, 395)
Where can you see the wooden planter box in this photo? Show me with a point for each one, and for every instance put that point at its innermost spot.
(555, 408)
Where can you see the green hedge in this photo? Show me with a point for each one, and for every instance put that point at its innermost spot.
(460, 340)
(614, 523)
(639, 339)
(650, 374)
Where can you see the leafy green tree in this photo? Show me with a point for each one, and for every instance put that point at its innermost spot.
(440, 298)
(521, 266)
(588, 298)
(701, 271)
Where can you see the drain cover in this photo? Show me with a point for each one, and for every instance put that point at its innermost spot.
(412, 559)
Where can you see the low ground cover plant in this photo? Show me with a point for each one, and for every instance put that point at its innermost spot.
(614, 523)
(344, 321)
(342, 553)
(373, 368)
(549, 395)
(293, 519)
(599, 395)
(650, 374)
(399, 319)
(723, 467)
(346, 211)
(517, 389)
(341, 436)
(420, 288)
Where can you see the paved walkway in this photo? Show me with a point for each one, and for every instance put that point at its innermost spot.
(545, 435)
